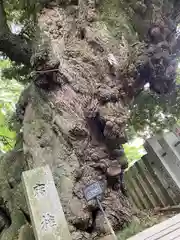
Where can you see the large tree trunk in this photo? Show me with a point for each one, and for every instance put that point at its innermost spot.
(90, 60)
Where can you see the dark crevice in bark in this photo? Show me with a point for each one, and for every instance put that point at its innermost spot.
(92, 227)
(96, 127)
(10, 185)
(82, 33)
(5, 219)
(27, 216)
(48, 81)
(75, 2)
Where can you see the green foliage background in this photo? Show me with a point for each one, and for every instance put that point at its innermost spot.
(133, 152)
(152, 114)
(10, 90)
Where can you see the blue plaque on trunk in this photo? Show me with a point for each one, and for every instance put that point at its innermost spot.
(92, 191)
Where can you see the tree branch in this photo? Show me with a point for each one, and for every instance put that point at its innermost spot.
(3, 24)
(14, 46)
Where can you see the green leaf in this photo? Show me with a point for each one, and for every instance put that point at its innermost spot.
(9, 94)
(134, 151)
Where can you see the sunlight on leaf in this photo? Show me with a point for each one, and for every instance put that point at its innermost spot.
(134, 150)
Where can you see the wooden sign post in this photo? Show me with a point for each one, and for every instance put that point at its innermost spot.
(93, 191)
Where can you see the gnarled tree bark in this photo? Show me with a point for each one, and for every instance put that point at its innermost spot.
(73, 115)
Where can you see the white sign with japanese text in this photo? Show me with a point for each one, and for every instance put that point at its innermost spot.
(46, 212)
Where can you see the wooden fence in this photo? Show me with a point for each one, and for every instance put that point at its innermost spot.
(153, 181)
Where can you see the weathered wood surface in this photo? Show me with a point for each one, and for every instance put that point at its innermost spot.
(46, 212)
(167, 230)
